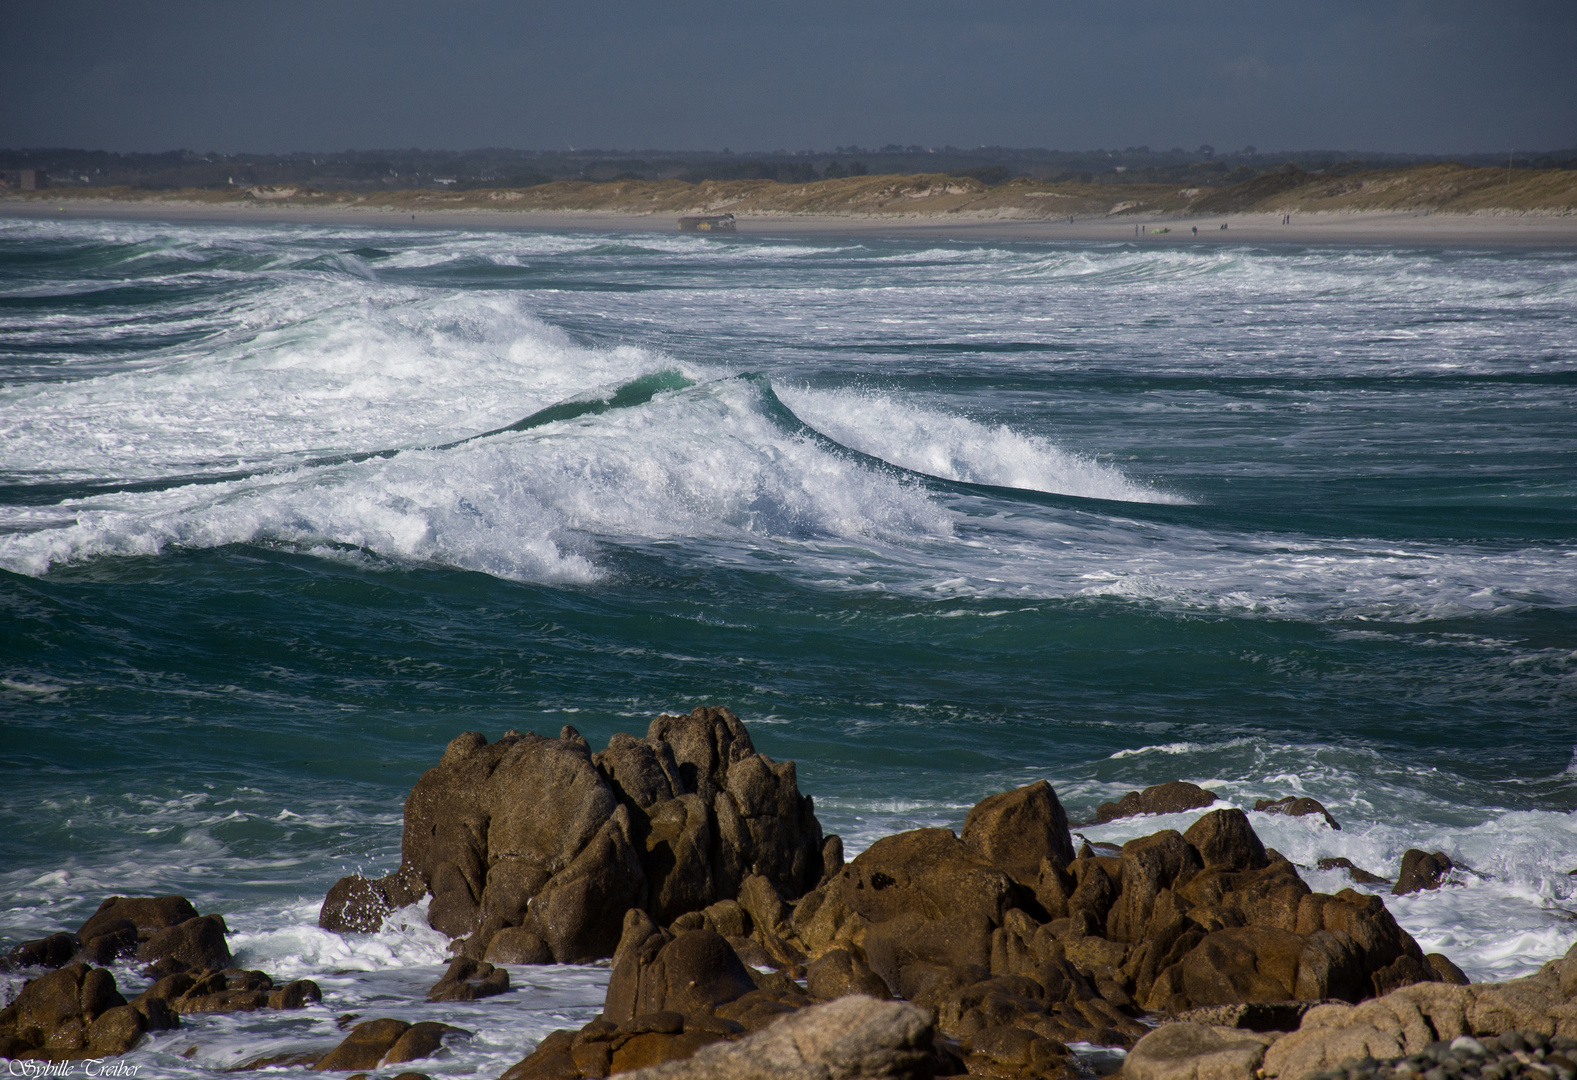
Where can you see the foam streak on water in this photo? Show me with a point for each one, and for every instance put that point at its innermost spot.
(283, 509)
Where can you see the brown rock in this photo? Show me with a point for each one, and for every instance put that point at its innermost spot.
(53, 1016)
(468, 980)
(116, 1030)
(638, 948)
(551, 1060)
(1296, 806)
(763, 903)
(536, 835)
(1445, 971)
(644, 1051)
(694, 973)
(922, 899)
(52, 952)
(1195, 1052)
(1566, 974)
(850, 1038)
(1421, 870)
(1173, 797)
(1356, 873)
(111, 940)
(518, 945)
(295, 995)
(841, 972)
(364, 1047)
(1246, 964)
(1225, 840)
(1017, 1047)
(593, 1059)
(1016, 830)
(198, 943)
(1150, 865)
(146, 913)
(418, 1041)
(353, 905)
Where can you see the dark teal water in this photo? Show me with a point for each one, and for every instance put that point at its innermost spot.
(933, 518)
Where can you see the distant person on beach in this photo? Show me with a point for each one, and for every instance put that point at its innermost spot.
(1196, 230)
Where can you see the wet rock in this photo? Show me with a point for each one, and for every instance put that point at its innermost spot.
(296, 994)
(357, 904)
(148, 914)
(1356, 873)
(70, 1013)
(1421, 870)
(198, 942)
(554, 1059)
(113, 939)
(468, 980)
(222, 991)
(115, 930)
(1173, 797)
(50, 952)
(364, 1047)
(419, 1040)
(1296, 806)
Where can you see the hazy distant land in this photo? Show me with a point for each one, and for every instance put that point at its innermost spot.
(1542, 203)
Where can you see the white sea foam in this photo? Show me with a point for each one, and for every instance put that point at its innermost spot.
(954, 447)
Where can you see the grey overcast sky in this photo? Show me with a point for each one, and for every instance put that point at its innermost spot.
(1432, 76)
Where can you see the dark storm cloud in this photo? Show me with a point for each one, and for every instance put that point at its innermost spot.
(1405, 75)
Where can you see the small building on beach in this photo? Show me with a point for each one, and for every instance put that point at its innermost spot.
(708, 223)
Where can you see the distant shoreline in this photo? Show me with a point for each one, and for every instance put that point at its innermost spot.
(1371, 227)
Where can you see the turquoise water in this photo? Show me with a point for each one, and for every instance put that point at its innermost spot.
(283, 509)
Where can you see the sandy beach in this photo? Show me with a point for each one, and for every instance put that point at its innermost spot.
(1316, 228)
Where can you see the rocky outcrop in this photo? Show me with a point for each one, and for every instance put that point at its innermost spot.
(149, 928)
(1012, 943)
(533, 848)
(1356, 873)
(1421, 870)
(468, 980)
(1172, 797)
(1296, 806)
(1079, 950)
(373, 1044)
(72, 1013)
(225, 991)
(1418, 1028)
(849, 1039)
(852, 1038)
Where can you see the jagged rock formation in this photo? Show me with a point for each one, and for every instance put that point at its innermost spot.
(1012, 943)
(534, 848)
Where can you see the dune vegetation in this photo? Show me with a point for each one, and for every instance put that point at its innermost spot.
(1451, 189)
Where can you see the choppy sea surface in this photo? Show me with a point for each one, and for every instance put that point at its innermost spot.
(283, 509)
